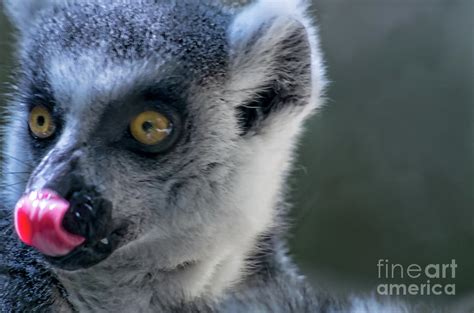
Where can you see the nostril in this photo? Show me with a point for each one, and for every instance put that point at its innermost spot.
(88, 216)
(78, 220)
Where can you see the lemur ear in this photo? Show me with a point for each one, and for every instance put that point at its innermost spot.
(275, 61)
(22, 13)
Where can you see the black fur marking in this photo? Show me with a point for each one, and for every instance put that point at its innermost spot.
(253, 112)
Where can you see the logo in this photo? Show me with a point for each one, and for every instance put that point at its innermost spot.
(416, 279)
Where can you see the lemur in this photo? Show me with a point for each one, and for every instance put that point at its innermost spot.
(146, 153)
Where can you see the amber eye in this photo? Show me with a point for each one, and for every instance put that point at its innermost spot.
(41, 122)
(150, 128)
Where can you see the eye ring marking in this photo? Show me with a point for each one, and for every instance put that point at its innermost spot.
(150, 128)
(41, 122)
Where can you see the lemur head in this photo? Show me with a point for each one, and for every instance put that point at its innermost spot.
(166, 126)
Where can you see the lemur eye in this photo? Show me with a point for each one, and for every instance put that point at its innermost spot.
(150, 128)
(41, 122)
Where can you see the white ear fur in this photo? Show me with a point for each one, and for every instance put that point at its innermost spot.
(263, 11)
(22, 13)
(254, 36)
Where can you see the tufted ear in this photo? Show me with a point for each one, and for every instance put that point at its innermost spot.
(275, 60)
(22, 13)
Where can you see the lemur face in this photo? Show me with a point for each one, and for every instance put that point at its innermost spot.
(126, 121)
(141, 129)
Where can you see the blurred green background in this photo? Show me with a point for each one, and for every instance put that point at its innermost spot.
(386, 170)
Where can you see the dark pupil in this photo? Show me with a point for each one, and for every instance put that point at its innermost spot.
(41, 120)
(147, 126)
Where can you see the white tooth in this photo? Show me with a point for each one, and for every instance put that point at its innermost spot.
(105, 241)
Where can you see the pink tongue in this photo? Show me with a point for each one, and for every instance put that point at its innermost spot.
(38, 222)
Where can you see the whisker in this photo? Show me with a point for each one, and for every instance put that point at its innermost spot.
(14, 184)
(15, 173)
(18, 160)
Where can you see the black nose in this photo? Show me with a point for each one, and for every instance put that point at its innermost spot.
(89, 215)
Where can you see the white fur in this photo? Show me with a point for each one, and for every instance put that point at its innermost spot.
(286, 13)
(375, 306)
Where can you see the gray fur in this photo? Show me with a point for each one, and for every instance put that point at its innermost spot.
(205, 219)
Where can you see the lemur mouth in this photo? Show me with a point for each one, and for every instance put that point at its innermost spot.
(72, 234)
(91, 252)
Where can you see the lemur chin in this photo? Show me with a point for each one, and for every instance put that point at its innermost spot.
(146, 150)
